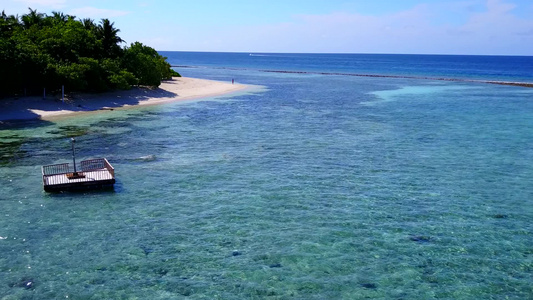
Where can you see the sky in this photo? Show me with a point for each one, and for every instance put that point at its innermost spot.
(472, 27)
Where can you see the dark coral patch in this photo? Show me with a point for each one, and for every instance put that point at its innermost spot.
(500, 216)
(420, 238)
(372, 286)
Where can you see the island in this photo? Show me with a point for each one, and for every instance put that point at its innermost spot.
(56, 65)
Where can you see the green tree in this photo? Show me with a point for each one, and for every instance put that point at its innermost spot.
(33, 18)
(89, 24)
(145, 63)
(110, 39)
(58, 18)
(39, 50)
(7, 25)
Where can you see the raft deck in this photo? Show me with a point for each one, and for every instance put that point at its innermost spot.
(92, 174)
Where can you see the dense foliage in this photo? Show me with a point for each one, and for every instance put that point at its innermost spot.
(47, 51)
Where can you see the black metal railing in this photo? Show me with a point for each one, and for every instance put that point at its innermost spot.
(88, 170)
(56, 169)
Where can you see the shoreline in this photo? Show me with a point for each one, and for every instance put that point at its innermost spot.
(177, 89)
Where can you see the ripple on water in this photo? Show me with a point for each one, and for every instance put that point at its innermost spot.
(298, 192)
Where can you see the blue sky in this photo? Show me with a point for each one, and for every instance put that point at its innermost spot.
(484, 27)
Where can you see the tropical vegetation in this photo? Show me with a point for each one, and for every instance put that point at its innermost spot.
(49, 51)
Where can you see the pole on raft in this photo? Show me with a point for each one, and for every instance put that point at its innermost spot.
(63, 93)
(44, 93)
(74, 156)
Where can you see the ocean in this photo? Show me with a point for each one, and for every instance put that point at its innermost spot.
(338, 176)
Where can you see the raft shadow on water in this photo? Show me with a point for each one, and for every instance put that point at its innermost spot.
(117, 188)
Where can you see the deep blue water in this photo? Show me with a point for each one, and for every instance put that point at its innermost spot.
(308, 187)
(504, 68)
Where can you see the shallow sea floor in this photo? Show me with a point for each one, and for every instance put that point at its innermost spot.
(316, 187)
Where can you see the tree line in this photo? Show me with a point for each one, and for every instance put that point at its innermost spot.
(48, 51)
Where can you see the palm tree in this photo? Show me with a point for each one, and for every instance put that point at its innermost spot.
(59, 17)
(8, 23)
(109, 37)
(32, 18)
(89, 24)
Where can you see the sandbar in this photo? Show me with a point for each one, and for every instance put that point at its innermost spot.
(177, 89)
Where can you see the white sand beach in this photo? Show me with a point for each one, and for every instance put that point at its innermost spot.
(177, 89)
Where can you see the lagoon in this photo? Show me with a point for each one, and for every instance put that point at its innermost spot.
(312, 187)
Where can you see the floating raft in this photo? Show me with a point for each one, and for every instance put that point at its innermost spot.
(93, 174)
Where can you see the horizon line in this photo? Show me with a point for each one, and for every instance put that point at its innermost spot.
(353, 53)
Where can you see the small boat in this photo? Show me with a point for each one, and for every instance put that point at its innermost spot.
(95, 173)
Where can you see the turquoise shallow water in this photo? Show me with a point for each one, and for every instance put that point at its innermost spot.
(314, 187)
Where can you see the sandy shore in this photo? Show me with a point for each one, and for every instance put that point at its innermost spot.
(177, 89)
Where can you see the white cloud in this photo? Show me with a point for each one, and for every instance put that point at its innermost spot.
(97, 13)
(498, 28)
(336, 32)
(492, 29)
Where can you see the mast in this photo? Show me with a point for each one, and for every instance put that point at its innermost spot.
(74, 155)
